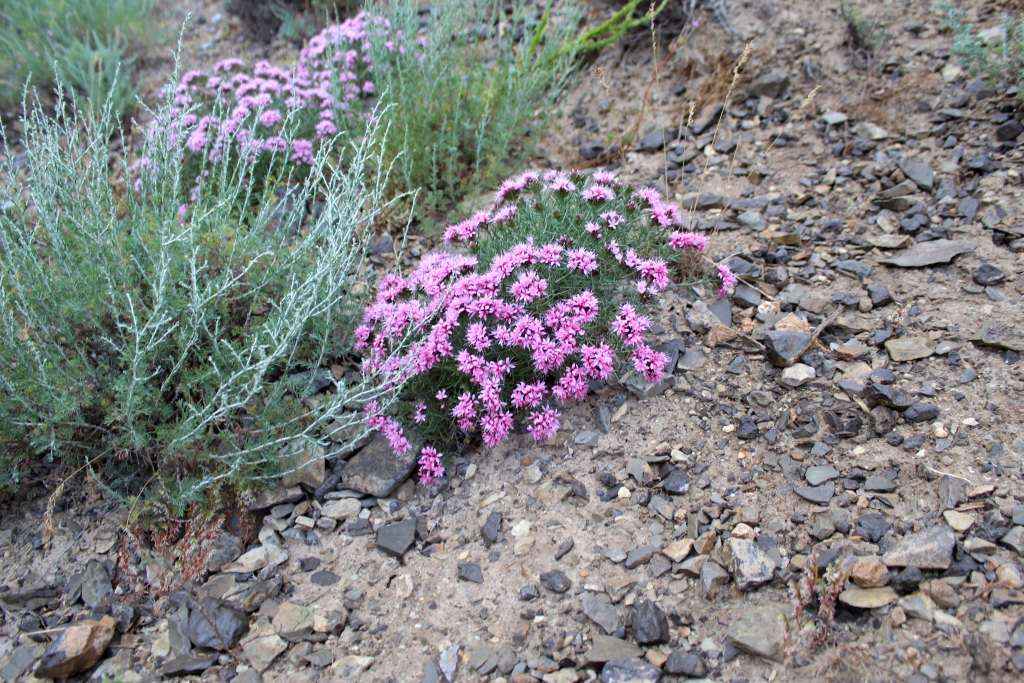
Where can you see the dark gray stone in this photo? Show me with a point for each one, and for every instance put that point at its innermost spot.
(785, 348)
(686, 664)
(395, 539)
(883, 420)
(930, 253)
(96, 587)
(677, 482)
(601, 611)
(656, 140)
(921, 412)
(650, 625)
(188, 665)
(931, 548)
(853, 268)
(878, 483)
(988, 275)
(639, 556)
(591, 149)
(471, 571)
(722, 310)
(376, 470)
(712, 577)
(748, 429)
(920, 172)
(555, 581)
(602, 418)
(216, 625)
(746, 296)
(879, 295)
(324, 578)
(881, 395)
(819, 495)
(749, 565)
(491, 528)
(770, 85)
(817, 475)
(1009, 131)
(633, 670)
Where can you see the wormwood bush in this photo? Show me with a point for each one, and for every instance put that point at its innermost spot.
(91, 42)
(164, 343)
(1000, 60)
(550, 296)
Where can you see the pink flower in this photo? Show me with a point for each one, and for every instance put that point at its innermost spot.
(630, 326)
(649, 363)
(665, 214)
(558, 182)
(727, 278)
(420, 417)
(270, 117)
(197, 140)
(325, 129)
(550, 254)
(544, 423)
(503, 215)
(613, 249)
(599, 361)
(598, 193)
(593, 228)
(528, 287)
(573, 385)
(649, 195)
(465, 411)
(302, 152)
(612, 219)
(431, 468)
(689, 241)
(496, 427)
(582, 260)
(605, 178)
(477, 337)
(528, 395)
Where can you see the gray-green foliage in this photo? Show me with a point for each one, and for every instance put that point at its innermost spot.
(461, 102)
(90, 41)
(995, 59)
(162, 349)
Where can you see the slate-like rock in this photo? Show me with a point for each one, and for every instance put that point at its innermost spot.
(931, 548)
(760, 632)
(1000, 336)
(555, 581)
(867, 598)
(216, 625)
(490, 529)
(819, 495)
(770, 85)
(395, 539)
(187, 665)
(920, 172)
(749, 565)
(988, 275)
(604, 648)
(930, 253)
(687, 664)
(471, 571)
(876, 394)
(677, 482)
(712, 577)
(96, 586)
(819, 474)
(921, 412)
(952, 491)
(632, 670)
(785, 348)
(376, 470)
(650, 625)
(601, 611)
(909, 348)
(656, 140)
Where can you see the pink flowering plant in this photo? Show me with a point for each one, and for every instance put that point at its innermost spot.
(277, 118)
(548, 294)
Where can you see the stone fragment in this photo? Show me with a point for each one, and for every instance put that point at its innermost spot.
(77, 648)
(760, 632)
(712, 577)
(988, 275)
(555, 581)
(919, 172)
(930, 253)
(770, 85)
(293, 622)
(677, 551)
(1014, 539)
(952, 491)
(600, 610)
(631, 670)
(819, 474)
(921, 412)
(869, 573)
(448, 662)
(470, 571)
(252, 561)
(796, 375)
(819, 495)
(376, 470)
(748, 563)
(395, 539)
(909, 348)
(491, 527)
(999, 335)
(650, 625)
(303, 464)
(867, 598)
(931, 548)
(604, 648)
(784, 348)
(677, 482)
(216, 625)
(685, 664)
(958, 521)
(226, 548)
(96, 587)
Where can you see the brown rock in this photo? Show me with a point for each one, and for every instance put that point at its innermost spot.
(941, 593)
(705, 543)
(78, 648)
(870, 574)
(678, 550)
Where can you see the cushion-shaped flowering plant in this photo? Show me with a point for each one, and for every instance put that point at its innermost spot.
(547, 293)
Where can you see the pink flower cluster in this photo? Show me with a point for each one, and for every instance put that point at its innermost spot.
(477, 339)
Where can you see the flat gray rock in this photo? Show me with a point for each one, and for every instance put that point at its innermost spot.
(96, 586)
(819, 474)
(604, 648)
(931, 548)
(819, 495)
(760, 632)
(930, 253)
(630, 670)
(376, 470)
(920, 172)
(601, 611)
(395, 539)
(650, 625)
(749, 565)
(1000, 336)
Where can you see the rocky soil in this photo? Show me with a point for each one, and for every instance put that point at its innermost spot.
(855, 403)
